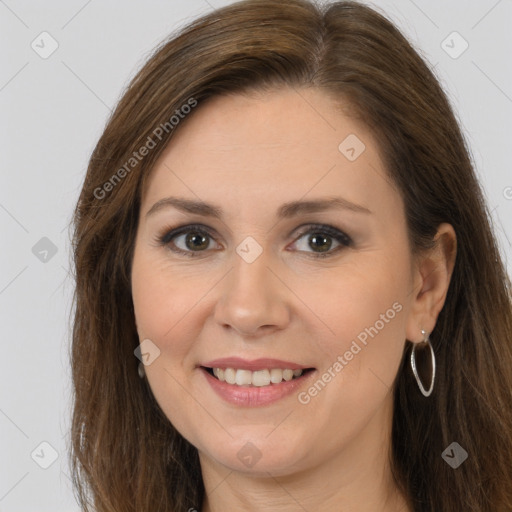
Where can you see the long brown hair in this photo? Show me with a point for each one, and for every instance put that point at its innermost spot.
(126, 455)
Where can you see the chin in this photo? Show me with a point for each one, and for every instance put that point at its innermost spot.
(257, 455)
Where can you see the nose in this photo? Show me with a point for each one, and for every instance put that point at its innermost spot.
(253, 299)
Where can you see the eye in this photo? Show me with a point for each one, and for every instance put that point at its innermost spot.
(321, 237)
(187, 240)
(192, 240)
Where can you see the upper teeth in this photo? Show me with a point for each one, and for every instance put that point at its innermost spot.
(257, 378)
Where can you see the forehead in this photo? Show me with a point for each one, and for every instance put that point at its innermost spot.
(265, 122)
(290, 141)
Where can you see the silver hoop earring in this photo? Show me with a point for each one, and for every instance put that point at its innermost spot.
(426, 339)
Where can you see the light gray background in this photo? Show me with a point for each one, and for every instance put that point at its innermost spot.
(53, 111)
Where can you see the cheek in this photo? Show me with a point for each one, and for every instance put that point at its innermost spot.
(362, 358)
(161, 300)
(353, 299)
(161, 318)
(365, 309)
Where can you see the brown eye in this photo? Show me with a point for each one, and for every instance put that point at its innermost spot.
(320, 241)
(193, 240)
(197, 241)
(187, 240)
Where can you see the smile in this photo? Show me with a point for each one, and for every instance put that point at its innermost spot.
(254, 383)
(257, 378)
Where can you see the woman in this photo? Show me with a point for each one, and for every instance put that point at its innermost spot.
(289, 295)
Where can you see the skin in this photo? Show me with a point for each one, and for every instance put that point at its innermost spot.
(249, 154)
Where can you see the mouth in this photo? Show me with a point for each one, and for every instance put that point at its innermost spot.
(260, 378)
(255, 383)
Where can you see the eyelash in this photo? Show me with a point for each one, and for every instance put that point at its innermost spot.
(317, 229)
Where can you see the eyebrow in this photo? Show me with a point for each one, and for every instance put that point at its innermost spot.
(287, 210)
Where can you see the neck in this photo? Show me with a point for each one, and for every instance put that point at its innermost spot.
(357, 477)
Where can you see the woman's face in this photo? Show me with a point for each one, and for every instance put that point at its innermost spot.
(292, 254)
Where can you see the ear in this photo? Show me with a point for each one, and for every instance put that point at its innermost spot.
(432, 274)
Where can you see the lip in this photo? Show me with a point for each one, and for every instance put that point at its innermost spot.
(253, 396)
(253, 365)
